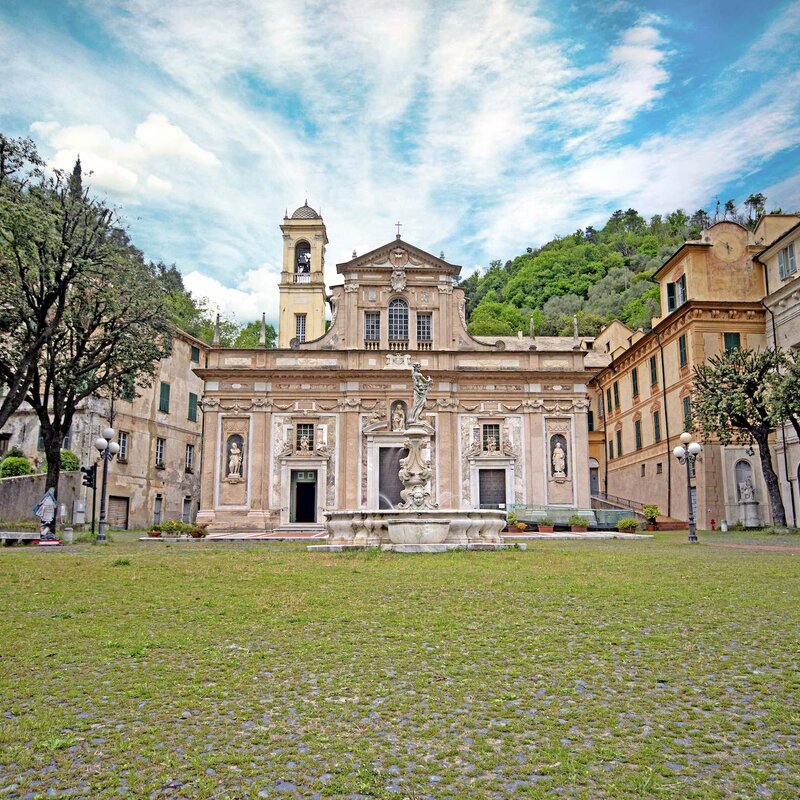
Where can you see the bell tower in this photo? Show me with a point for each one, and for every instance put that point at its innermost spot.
(302, 286)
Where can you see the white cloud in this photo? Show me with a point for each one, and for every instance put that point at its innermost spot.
(254, 293)
(158, 184)
(159, 137)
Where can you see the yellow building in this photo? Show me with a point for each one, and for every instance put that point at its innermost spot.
(711, 292)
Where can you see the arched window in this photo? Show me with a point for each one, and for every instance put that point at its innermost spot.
(745, 490)
(302, 258)
(398, 319)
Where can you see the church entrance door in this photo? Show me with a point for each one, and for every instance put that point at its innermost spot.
(492, 488)
(304, 496)
(389, 483)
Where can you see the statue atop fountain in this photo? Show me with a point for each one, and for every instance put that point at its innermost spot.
(422, 386)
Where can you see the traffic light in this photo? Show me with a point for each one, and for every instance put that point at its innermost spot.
(89, 476)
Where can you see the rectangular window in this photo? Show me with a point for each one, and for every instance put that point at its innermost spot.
(424, 327)
(671, 303)
(300, 327)
(64, 441)
(687, 413)
(160, 446)
(733, 341)
(195, 354)
(304, 437)
(637, 433)
(643, 470)
(656, 426)
(123, 446)
(653, 371)
(163, 398)
(157, 507)
(192, 407)
(608, 399)
(372, 326)
(682, 351)
(616, 394)
(5, 438)
(590, 417)
(659, 468)
(186, 514)
(635, 381)
(610, 450)
(786, 261)
(619, 443)
(491, 438)
(681, 290)
(189, 457)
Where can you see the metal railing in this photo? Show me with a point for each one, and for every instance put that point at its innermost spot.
(634, 505)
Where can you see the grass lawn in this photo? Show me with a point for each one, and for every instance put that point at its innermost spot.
(600, 669)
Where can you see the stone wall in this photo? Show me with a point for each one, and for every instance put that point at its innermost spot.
(19, 495)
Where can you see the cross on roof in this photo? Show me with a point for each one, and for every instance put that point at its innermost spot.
(398, 224)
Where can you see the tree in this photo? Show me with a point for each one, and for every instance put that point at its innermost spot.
(80, 311)
(785, 398)
(48, 235)
(249, 335)
(755, 204)
(730, 209)
(731, 401)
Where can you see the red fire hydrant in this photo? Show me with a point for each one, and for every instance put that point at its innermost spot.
(713, 524)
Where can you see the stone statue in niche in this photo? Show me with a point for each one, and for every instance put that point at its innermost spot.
(305, 445)
(235, 458)
(491, 445)
(399, 418)
(558, 457)
(422, 386)
(746, 491)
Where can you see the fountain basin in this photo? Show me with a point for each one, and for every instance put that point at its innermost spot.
(417, 531)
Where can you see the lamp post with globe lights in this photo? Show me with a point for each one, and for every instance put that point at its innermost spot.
(108, 449)
(686, 453)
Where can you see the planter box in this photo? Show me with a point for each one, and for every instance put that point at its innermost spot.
(578, 528)
(651, 526)
(154, 534)
(546, 528)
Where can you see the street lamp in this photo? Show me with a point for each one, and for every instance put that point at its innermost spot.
(686, 453)
(108, 449)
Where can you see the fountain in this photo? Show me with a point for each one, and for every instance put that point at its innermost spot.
(416, 524)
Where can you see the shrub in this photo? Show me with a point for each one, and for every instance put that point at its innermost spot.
(512, 518)
(12, 452)
(174, 527)
(15, 465)
(520, 526)
(628, 524)
(546, 521)
(651, 512)
(69, 461)
(578, 520)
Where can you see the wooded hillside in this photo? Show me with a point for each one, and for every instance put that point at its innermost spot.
(596, 275)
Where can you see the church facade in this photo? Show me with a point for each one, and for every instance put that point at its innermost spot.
(317, 424)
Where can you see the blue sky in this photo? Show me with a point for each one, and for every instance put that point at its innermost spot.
(485, 126)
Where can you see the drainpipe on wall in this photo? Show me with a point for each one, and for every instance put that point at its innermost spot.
(666, 426)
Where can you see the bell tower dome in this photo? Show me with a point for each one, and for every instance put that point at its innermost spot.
(302, 286)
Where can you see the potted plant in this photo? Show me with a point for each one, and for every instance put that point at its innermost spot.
(520, 526)
(154, 532)
(628, 525)
(651, 512)
(198, 531)
(545, 525)
(511, 520)
(578, 524)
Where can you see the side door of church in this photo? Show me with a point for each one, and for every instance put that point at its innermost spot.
(492, 488)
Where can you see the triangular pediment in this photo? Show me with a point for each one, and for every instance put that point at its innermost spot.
(397, 254)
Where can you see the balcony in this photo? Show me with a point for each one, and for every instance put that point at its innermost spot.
(398, 344)
(424, 345)
(302, 277)
(372, 344)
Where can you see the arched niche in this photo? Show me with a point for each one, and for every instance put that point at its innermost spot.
(398, 415)
(559, 467)
(745, 488)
